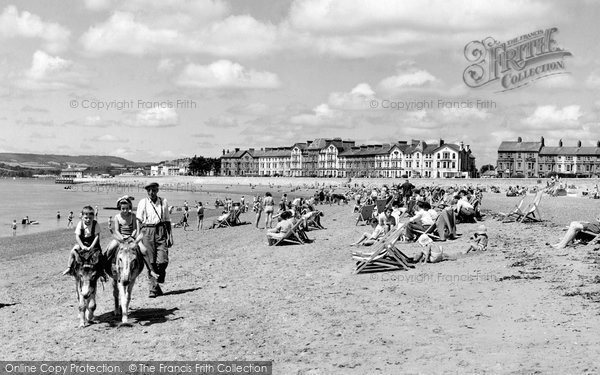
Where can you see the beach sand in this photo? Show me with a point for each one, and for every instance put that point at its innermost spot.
(520, 307)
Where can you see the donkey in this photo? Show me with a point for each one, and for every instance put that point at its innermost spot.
(128, 265)
(87, 269)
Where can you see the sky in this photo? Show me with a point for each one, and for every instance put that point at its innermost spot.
(152, 80)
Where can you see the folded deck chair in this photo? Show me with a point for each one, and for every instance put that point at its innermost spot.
(365, 214)
(295, 235)
(532, 212)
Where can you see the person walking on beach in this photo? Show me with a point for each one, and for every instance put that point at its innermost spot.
(200, 212)
(155, 223)
(14, 226)
(70, 220)
(57, 215)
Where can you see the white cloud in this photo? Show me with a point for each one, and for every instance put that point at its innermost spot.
(109, 138)
(357, 98)
(322, 115)
(408, 80)
(549, 116)
(593, 80)
(362, 28)
(98, 5)
(28, 25)
(225, 74)
(51, 73)
(156, 30)
(222, 122)
(154, 118)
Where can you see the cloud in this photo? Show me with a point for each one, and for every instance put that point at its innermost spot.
(98, 5)
(322, 115)
(27, 25)
(223, 122)
(252, 109)
(362, 28)
(29, 108)
(357, 98)
(91, 122)
(411, 79)
(593, 80)
(109, 138)
(549, 116)
(180, 27)
(51, 73)
(226, 74)
(154, 118)
(203, 135)
(36, 122)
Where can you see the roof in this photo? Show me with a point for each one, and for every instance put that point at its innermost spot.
(514, 146)
(570, 151)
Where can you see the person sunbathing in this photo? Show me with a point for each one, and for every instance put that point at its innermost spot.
(574, 232)
(368, 239)
(284, 225)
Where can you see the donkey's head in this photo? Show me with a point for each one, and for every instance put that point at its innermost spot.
(129, 262)
(87, 271)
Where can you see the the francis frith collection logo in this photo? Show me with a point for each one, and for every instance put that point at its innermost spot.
(514, 63)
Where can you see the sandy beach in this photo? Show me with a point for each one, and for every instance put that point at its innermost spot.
(520, 307)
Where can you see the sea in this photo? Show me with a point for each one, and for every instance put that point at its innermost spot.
(41, 200)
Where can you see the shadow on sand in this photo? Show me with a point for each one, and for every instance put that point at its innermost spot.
(143, 317)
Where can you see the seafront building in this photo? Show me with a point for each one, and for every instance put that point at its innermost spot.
(341, 158)
(535, 159)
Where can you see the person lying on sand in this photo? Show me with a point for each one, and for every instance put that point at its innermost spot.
(368, 239)
(574, 232)
(479, 240)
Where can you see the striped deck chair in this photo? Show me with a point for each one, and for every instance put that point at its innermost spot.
(517, 213)
(533, 212)
(380, 203)
(384, 256)
(365, 214)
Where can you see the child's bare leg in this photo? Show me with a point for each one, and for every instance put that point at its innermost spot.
(148, 261)
(72, 255)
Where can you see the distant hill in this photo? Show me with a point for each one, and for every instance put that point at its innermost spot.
(44, 161)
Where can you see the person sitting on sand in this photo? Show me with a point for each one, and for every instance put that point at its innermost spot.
(124, 227)
(421, 221)
(479, 240)
(87, 236)
(285, 224)
(465, 212)
(574, 231)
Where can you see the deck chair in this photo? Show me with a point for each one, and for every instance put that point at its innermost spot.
(365, 214)
(517, 213)
(429, 232)
(380, 203)
(234, 217)
(225, 222)
(311, 221)
(295, 235)
(383, 257)
(532, 212)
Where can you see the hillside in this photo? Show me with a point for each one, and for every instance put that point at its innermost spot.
(45, 161)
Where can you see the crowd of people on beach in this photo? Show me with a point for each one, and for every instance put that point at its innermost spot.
(431, 212)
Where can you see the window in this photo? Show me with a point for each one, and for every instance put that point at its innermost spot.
(453, 164)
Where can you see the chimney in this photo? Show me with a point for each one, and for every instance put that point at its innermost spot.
(468, 148)
(228, 151)
(519, 139)
(237, 149)
(542, 141)
(441, 142)
(560, 143)
(579, 143)
(223, 151)
(598, 144)
(251, 149)
(462, 146)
